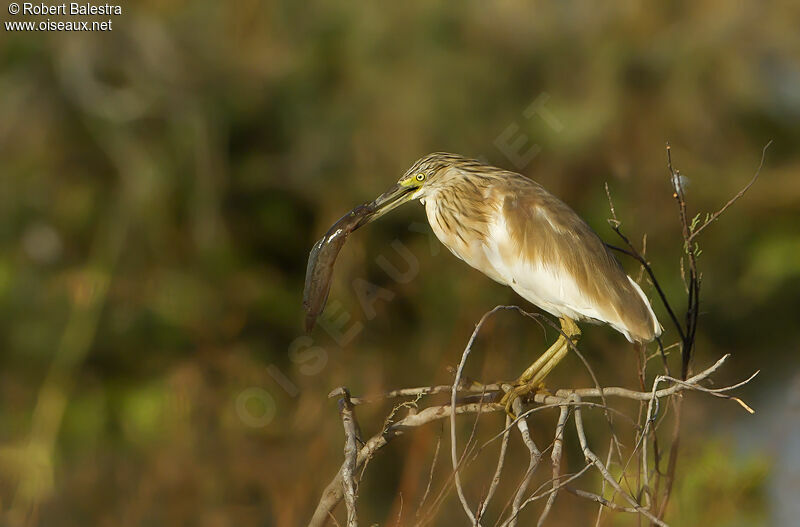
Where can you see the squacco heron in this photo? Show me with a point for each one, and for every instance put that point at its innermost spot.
(515, 232)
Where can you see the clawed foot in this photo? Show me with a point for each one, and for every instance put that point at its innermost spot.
(532, 378)
(521, 389)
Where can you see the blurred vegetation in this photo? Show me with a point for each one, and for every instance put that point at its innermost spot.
(720, 488)
(161, 185)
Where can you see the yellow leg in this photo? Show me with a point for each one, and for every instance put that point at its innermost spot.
(533, 376)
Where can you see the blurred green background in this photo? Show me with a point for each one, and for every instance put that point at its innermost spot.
(162, 183)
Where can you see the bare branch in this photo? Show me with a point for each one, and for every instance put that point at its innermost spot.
(333, 494)
(592, 457)
(556, 488)
(534, 454)
(555, 457)
(713, 217)
(425, 390)
(636, 255)
(350, 453)
(601, 500)
(691, 383)
(430, 476)
(454, 390)
(500, 461)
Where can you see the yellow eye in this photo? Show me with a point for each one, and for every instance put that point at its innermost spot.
(420, 177)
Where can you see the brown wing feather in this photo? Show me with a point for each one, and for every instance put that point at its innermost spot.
(546, 229)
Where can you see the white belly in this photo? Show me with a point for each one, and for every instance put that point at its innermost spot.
(553, 291)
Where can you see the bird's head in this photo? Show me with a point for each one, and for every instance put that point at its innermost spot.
(415, 183)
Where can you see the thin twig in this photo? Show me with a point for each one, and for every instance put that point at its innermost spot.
(713, 217)
(592, 457)
(555, 489)
(430, 475)
(649, 419)
(673, 457)
(498, 470)
(693, 286)
(719, 392)
(534, 456)
(555, 457)
(333, 494)
(454, 389)
(634, 253)
(603, 483)
(601, 500)
(616, 391)
(425, 390)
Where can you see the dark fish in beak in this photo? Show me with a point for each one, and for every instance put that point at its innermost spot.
(319, 272)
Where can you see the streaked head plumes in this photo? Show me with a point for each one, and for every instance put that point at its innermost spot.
(427, 168)
(417, 182)
(430, 171)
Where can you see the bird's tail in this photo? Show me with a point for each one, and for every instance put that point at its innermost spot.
(652, 328)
